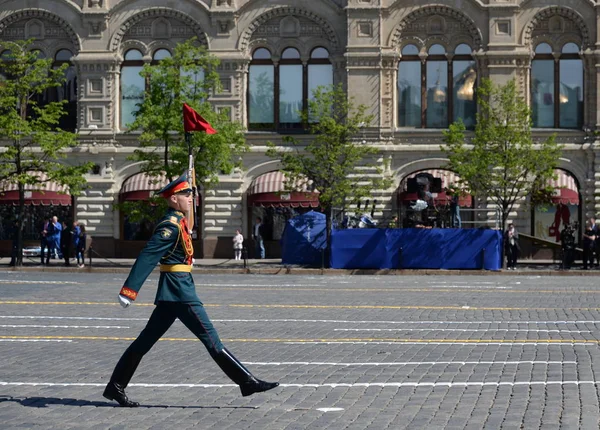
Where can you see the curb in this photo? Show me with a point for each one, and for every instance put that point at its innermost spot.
(325, 272)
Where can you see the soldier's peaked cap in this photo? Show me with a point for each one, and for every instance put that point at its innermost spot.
(179, 185)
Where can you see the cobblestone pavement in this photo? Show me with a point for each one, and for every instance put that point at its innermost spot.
(351, 352)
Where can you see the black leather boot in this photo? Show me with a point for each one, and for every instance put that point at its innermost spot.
(240, 375)
(115, 390)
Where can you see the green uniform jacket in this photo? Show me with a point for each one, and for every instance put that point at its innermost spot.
(167, 247)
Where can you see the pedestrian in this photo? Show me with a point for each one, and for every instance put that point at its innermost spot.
(14, 236)
(75, 232)
(589, 243)
(455, 220)
(65, 243)
(511, 247)
(238, 244)
(258, 234)
(176, 298)
(81, 246)
(54, 229)
(45, 240)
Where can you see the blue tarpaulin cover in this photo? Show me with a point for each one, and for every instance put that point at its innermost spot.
(303, 240)
(416, 248)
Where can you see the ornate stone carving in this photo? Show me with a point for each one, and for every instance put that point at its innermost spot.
(140, 26)
(54, 27)
(267, 24)
(553, 22)
(423, 20)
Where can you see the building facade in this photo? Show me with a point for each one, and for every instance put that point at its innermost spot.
(415, 66)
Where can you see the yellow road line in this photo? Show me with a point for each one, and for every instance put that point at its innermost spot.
(286, 306)
(277, 340)
(399, 290)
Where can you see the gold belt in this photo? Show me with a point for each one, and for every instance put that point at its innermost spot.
(176, 268)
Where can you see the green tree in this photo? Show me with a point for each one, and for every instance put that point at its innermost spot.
(189, 76)
(501, 160)
(333, 159)
(34, 142)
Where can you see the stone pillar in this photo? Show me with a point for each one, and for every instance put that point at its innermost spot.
(363, 57)
(98, 80)
(233, 74)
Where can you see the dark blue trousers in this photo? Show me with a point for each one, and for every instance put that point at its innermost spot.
(192, 315)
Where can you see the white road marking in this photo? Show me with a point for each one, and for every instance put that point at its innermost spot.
(330, 409)
(400, 363)
(462, 329)
(329, 385)
(35, 317)
(447, 343)
(15, 281)
(34, 340)
(561, 322)
(59, 326)
(407, 322)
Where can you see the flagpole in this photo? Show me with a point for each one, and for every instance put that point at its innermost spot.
(191, 217)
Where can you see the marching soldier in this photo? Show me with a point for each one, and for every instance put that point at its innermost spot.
(171, 244)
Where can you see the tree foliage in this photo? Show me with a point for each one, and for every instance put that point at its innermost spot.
(334, 159)
(189, 76)
(34, 142)
(501, 161)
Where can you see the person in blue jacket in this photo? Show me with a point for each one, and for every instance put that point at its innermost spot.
(176, 298)
(53, 237)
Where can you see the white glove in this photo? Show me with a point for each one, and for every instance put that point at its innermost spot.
(124, 301)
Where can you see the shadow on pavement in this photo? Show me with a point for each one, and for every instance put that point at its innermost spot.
(43, 402)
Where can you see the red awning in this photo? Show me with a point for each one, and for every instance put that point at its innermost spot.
(141, 187)
(45, 193)
(440, 199)
(566, 197)
(268, 190)
(36, 198)
(283, 199)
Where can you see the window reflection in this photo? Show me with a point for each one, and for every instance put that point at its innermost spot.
(132, 86)
(409, 93)
(67, 91)
(292, 81)
(464, 81)
(557, 102)
(449, 92)
(290, 88)
(437, 94)
(262, 86)
(571, 93)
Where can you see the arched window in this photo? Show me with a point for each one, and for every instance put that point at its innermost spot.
(160, 54)
(320, 70)
(67, 91)
(436, 111)
(291, 89)
(409, 88)
(557, 87)
(261, 91)
(424, 88)
(464, 81)
(132, 85)
(291, 79)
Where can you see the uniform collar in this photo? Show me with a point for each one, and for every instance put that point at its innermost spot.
(176, 212)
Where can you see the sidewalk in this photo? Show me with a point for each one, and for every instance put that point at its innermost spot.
(275, 267)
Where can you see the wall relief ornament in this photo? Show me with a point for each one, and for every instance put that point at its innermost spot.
(140, 26)
(269, 25)
(437, 20)
(15, 26)
(553, 22)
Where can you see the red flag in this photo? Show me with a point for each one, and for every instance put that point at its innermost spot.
(193, 121)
